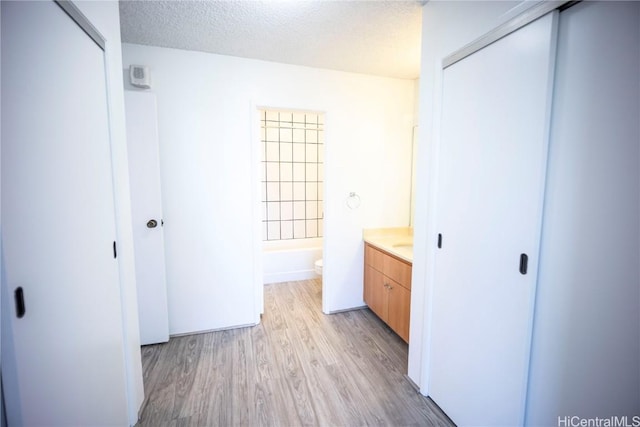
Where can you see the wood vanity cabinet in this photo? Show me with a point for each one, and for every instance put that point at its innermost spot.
(387, 288)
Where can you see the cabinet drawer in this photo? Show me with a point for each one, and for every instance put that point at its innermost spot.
(397, 270)
(373, 257)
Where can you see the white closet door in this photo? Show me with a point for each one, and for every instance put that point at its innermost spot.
(586, 347)
(491, 176)
(146, 206)
(63, 361)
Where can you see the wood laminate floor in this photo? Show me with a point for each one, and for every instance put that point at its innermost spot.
(299, 367)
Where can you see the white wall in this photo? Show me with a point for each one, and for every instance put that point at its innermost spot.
(446, 27)
(208, 130)
(105, 16)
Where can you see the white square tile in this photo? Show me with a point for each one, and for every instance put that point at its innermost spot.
(298, 152)
(321, 119)
(299, 229)
(312, 190)
(273, 191)
(273, 152)
(286, 152)
(321, 137)
(286, 190)
(298, 117)
(311, 118)
(312, 210)
(273, 172)
(312, 171)
(312, 227)
(298, 135)
(286, 171)
(273, 134)
(298, 210)
(263, 208)
(263, 171)
(320, 191)
(273, 230)
(320, 172)
(312, 152)
(263, 133)
(299, 172)
(298, 191)
(265, 236)
(286, 211)
(273, 211)
(311, 136)
(321, 153)
(285, 116)
(286, 229)
(263, 192)
(286, 135)
(320, 229)
(272, 115)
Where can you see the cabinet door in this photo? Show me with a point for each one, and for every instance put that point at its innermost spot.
(375, 294)
(492, 167)
(398, 306)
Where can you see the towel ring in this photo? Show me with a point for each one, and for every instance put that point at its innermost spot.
(353, 201)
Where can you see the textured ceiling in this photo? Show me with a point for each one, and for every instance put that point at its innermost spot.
(371, 37)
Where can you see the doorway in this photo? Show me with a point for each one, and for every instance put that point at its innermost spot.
(291, 195)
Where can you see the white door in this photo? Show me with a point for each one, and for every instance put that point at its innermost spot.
(587, 324)
(146, 205)
(491, 179)
(63, 361)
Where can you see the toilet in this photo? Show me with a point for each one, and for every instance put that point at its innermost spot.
(318, 267)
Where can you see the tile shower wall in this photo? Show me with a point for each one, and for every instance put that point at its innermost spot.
(292, 174)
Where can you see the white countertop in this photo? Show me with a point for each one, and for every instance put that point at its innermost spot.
(396, 241)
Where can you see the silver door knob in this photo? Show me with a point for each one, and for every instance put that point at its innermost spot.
(152, 223)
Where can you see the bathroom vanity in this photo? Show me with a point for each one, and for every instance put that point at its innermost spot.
(388, 256)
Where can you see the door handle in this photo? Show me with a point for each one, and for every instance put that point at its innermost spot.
(524, 263)
(152, 223)
(20, 307)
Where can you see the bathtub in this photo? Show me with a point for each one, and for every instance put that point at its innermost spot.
(287, 260)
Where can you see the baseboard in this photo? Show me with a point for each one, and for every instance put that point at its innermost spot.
(348, 309)
(414, 385)
(206, 331)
